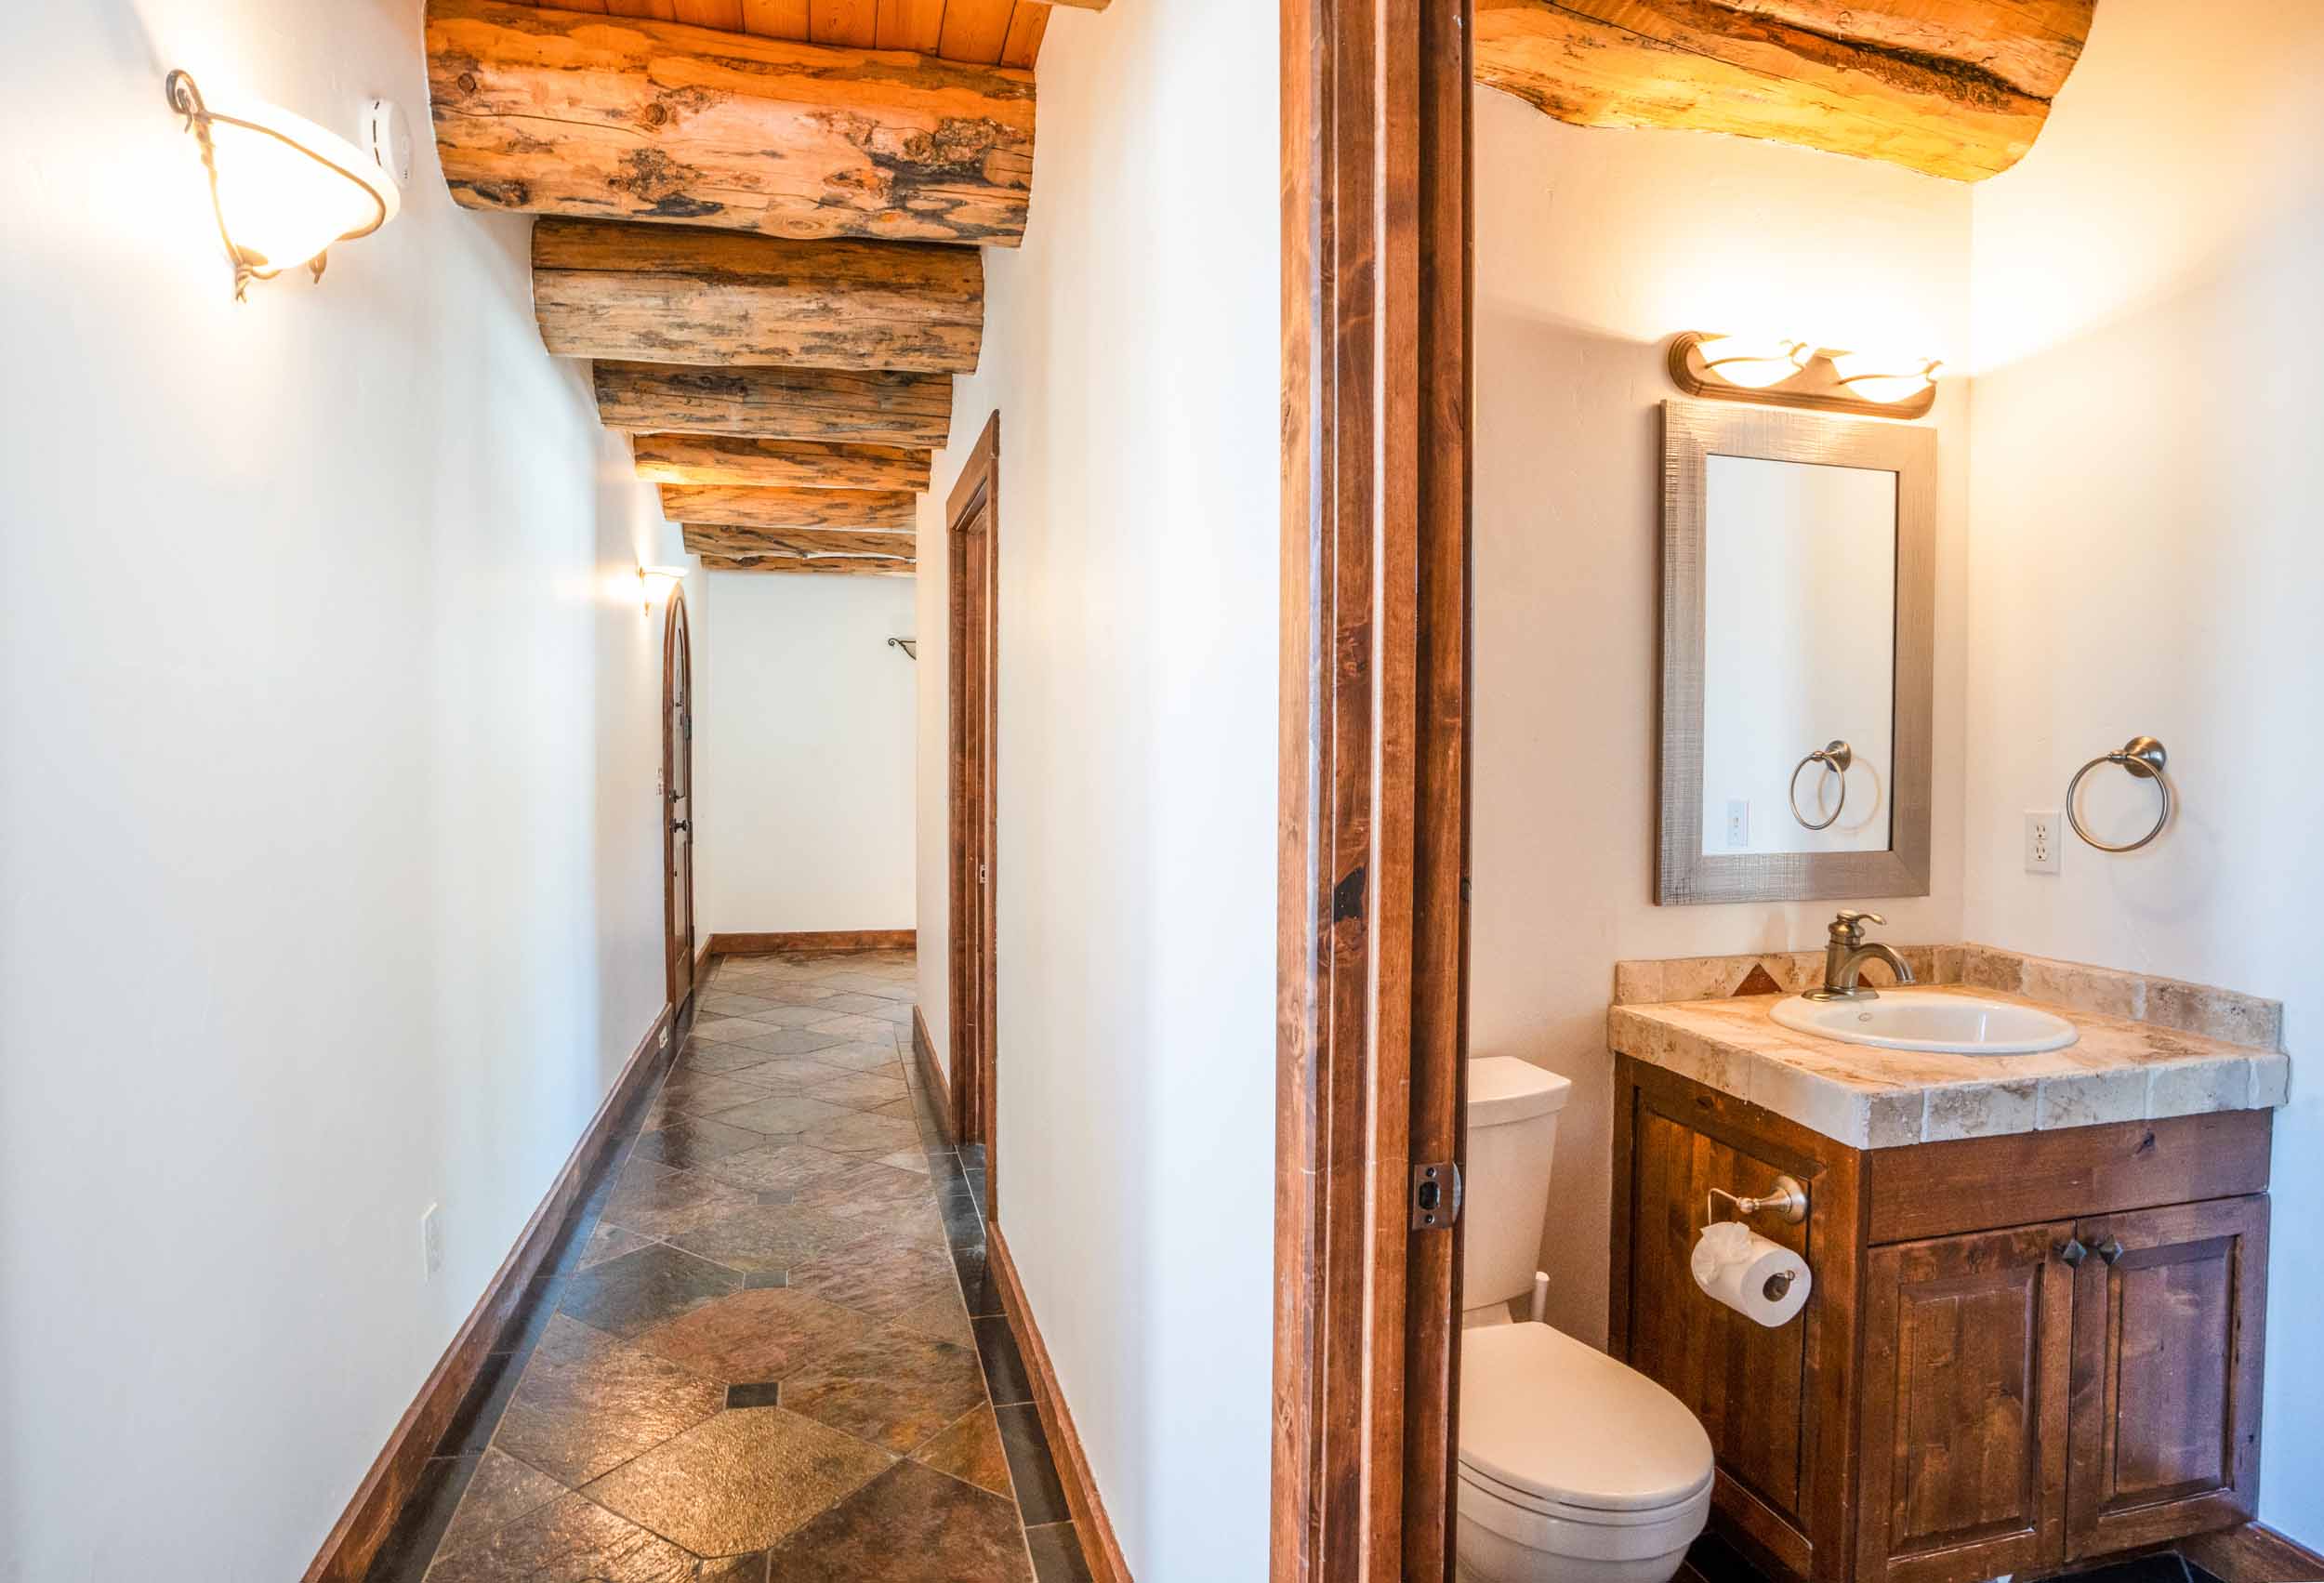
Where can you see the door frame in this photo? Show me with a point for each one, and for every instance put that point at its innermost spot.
(972, 835)
(1372, 936)
(677, 647)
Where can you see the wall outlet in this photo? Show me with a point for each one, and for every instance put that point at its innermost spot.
(431, 1242)
(2041, 842)
(1739, 821)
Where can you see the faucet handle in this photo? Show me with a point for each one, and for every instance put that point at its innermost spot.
(1848, 925)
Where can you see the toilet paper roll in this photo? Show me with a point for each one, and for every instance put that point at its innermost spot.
(1763, 1279)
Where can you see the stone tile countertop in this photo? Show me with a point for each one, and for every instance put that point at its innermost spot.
(2119, 1070)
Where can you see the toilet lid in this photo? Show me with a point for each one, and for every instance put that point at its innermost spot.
(1546, 1416)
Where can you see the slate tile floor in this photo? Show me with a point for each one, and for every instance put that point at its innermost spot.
(765, 1350)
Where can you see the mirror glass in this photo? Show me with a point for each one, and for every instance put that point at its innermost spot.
(1799, 564)
(1799, 615)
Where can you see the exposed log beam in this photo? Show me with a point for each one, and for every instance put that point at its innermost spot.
(730, 543)
(1079, 5)
(777, 403)
(874, 510)
(1957, 88)
(614, 118)
(682, 294)
(776, 464)
(815, 566)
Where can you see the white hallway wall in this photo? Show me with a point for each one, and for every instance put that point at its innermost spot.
(803, 755)
(330, 880)
(1132, 347)
(2146, 552)
(1593, 247)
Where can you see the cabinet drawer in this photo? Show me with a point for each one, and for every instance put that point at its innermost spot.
(1978, 1184)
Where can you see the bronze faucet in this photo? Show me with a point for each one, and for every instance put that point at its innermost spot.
(1844, 957)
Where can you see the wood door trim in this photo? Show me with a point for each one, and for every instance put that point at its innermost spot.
(972, 821)
(1373, 781)
(676, 641)
(364, 1528)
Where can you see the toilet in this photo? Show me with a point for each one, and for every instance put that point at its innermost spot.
(1574, 1468)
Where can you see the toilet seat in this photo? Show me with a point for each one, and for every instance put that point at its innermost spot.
(1565, 1451)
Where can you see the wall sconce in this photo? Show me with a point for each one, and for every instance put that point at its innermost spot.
(655, 582)
(1795, 374)
(284, 188)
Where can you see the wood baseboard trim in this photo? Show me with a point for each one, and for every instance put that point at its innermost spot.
(812, 943)
(933, 1077)
(347, 1553)
(2253, 1553)
(1098, 1547)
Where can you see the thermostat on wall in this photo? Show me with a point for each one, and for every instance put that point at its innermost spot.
(387, 134)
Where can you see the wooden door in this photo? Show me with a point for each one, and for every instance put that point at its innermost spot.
(677, 784)
(1967, 1347)
(2168, 1320)
(972, 514)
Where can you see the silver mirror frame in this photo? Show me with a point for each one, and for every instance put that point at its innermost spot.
(1692, 433)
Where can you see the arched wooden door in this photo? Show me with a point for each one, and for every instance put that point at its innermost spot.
(677, 784)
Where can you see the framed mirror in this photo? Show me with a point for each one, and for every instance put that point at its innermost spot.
(1798, 565)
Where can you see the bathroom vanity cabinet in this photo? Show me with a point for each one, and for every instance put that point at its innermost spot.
(2022, 1352)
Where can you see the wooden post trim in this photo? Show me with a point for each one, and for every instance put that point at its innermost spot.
(1373, 781)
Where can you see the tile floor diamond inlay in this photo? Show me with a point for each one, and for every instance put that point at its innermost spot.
(751, 1317)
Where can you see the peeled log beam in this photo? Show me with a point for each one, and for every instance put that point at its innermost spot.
(559, 113)
(680, 294)
(778, 464)
(815, 566)
(777, 403)
(877, 511)
(733, 542)
(1957, 88)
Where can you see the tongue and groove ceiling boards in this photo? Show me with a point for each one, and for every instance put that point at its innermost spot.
(1956, 89)
(761, 221)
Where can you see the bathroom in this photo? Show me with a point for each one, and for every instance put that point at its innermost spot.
(2121, 488)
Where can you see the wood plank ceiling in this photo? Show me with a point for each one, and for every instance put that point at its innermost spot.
(761, 221)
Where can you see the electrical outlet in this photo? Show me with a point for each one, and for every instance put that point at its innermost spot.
(1739, 822)
(431, 1242)
(2041, 842)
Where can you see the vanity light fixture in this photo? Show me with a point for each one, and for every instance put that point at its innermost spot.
(1755, 362)
(655, 582)
(282, 188)
(1797, 374)
(1884, 377)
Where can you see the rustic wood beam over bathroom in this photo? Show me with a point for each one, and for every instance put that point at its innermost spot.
(1956, 89)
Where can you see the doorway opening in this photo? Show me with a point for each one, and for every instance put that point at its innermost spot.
(677, 783)
(971, 516)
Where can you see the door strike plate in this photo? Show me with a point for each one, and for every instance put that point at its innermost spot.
(1435, 1195)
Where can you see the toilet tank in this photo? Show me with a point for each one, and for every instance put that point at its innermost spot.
(1505, 1189)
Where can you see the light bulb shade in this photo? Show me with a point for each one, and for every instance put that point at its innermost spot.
(658, 581)
(1884, 377)
(1753, 361)
(284, 189)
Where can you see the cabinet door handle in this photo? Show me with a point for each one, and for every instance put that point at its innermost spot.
(2110, 1249)
(2072, 1251)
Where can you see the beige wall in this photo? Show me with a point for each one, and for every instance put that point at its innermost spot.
(1593, 247)
(2146, 555)
(1131, 348)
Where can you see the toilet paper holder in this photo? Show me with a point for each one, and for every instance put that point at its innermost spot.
(1786, 1198)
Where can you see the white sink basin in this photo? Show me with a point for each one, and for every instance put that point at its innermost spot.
(1929, 1019)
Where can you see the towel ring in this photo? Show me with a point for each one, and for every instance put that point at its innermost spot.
(2144, 758)
(1835, 757)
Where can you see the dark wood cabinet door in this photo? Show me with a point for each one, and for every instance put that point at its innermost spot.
(2169, 1316)
(1967, 1372)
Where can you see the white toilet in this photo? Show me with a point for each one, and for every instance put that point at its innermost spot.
(1574, 1468)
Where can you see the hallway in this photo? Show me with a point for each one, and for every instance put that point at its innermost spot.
(765, 1348)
